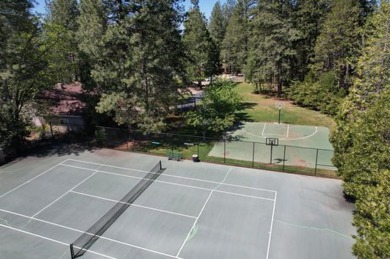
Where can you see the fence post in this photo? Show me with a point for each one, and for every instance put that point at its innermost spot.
(253, 155)
(315, 168)
(284, 156)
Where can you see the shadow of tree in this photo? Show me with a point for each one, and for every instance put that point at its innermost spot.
(60, 148)
(241, 114)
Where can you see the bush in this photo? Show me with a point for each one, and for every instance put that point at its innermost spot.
(322, 95)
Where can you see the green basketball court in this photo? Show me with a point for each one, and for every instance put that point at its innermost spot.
(294, 145)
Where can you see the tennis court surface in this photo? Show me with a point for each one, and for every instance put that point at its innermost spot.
(191, 210)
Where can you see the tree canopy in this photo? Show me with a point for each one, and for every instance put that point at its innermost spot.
(200, 50)
(135, 57)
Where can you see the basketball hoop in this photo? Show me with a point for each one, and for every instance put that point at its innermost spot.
(280, 105)
(271, 142)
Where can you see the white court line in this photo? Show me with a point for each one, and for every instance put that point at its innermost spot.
(288, 129)
(64, 194)
(118, 167)
(52, 240)
(258, 136)
(270, 230)
(182, 185)
(180, 177)
(17, 187)
(80, 231)
(200, 213)
(308, 136)
(134, 205)
(245, 195)
(262, 133)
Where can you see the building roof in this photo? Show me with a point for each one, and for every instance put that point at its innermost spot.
(65, 99)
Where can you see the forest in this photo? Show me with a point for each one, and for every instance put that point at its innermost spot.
(132, 56)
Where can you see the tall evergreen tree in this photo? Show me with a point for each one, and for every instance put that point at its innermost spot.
(60, 28)
(217, 26)
(271, 44)
(227, 10)
(235, 44)
(201, 51)
(92, 25)
(308, 16)
(23, 69)
(362, 139)
(136, 57)
(337, 45)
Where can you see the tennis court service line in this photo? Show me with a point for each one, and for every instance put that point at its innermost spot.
(178, 184)
(134, 205)
(51, 239)
(32, 179)
(201, 211)
(170, 175)
(80, 231)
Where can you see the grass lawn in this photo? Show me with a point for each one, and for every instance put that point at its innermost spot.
(260, 108)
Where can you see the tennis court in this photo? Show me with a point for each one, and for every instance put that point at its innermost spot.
(191, 210)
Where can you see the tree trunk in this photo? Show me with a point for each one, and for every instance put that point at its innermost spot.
(200, 84)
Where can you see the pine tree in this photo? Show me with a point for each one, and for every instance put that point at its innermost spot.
(235, 44)
(308, 16)
(271, 45)
(60, 30)
(136, 58)
(373, 77)
(201, 51)
(217, 26)
(227, 10)
(92, 25)
(337, 45)
(362, 140)
(23, 70)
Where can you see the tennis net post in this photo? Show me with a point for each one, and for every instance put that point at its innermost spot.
(89, 237)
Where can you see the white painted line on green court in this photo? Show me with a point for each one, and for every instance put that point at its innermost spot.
(64, 194)
(247, 187)
(193, 225)
(118, 167)
(257, 136)
(245, 195)
(262, 133)
(80, 231)
(332, 231)
(285, 138)
(271, 227)
(134, 205)
(180, 177)
(200, 213)
(305, 137)
(17, 187)
(185, 185)
(288, 129)
(52, 240)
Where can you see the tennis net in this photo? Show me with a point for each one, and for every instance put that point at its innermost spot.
(89, 237)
